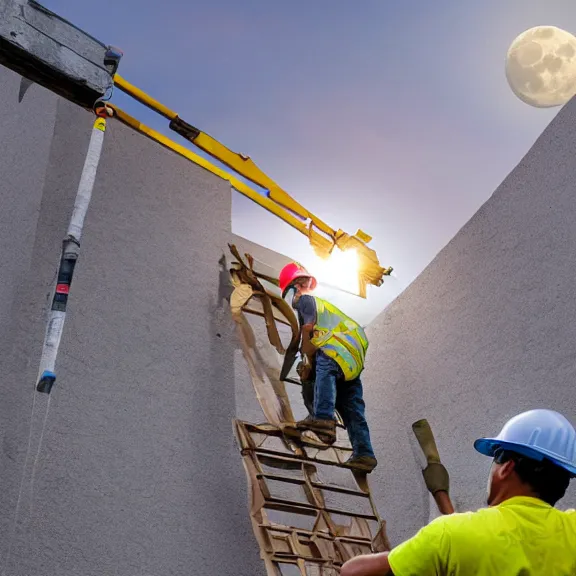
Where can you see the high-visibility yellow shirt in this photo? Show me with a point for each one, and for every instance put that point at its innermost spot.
(520, 537)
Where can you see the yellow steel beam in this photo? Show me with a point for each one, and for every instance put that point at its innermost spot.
(143, 98)
(240, 163)
(322, 237)
(265, 202)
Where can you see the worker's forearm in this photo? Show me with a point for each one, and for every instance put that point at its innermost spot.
(367, 565)
(307, 347)
(443, 502)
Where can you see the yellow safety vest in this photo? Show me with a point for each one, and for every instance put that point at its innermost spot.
(340, 338)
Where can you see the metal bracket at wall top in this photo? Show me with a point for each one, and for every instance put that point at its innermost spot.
(52, 52)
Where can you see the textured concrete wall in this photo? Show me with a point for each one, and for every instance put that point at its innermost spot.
(137, 473)
(487, 331)
(27, 126)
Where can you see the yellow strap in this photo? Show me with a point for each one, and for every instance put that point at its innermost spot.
(100, 124)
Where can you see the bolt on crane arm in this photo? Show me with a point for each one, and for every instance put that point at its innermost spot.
(322, 237)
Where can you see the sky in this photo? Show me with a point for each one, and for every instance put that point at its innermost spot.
(392, 116)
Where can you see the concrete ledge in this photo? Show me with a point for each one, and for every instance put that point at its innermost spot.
(52, 52)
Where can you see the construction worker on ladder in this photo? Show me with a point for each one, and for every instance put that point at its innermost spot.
(335, 347)
(520, 533)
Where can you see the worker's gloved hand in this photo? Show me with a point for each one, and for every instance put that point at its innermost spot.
(436, 477)
(304, 371)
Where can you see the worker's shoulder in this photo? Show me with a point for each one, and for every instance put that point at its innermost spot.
(307, 298)
(486, 521)
(465, 524)
(306, 301)
(461, 518)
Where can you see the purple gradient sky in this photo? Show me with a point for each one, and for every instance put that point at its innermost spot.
(386, 115)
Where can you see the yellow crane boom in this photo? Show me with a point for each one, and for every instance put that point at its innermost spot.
(322, 237)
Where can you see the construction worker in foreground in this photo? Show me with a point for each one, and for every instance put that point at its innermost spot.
(520, 533)
(335, 347)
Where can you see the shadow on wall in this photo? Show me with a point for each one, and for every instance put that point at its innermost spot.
(229, 495)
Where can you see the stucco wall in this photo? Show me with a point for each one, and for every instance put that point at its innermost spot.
(26, 129)
(487, 331)
(137, 473)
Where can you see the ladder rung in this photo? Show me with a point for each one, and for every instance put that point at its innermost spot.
(281, 478)
(309, 506)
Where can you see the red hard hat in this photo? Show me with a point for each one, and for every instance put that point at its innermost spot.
(291, 272)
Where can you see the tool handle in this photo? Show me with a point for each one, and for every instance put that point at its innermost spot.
(426, 440)
(443, 502)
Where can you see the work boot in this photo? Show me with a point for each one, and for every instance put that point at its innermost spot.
(327, 439)
(324, 429)
(362, 463)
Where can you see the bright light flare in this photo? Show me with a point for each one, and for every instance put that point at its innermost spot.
(339, 270)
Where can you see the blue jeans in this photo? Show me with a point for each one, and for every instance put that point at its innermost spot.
(331, 392)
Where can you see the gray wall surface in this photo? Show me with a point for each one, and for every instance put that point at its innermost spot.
(137, 473)
(487, 331)
(129, 468)
(26, 129)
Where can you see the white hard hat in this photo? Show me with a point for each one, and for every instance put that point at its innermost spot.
(536, 434)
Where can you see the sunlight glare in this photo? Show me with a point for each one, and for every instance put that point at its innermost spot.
(339, 270)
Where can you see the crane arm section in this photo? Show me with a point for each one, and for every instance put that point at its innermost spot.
(322, 237)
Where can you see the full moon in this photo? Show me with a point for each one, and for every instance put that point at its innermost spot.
(541, 66)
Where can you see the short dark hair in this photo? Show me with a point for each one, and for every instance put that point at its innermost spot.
(548, 480)
(300, 281)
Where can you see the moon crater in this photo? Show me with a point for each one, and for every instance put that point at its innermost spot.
(541, 66)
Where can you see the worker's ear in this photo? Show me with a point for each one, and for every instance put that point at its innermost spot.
(503, 471)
